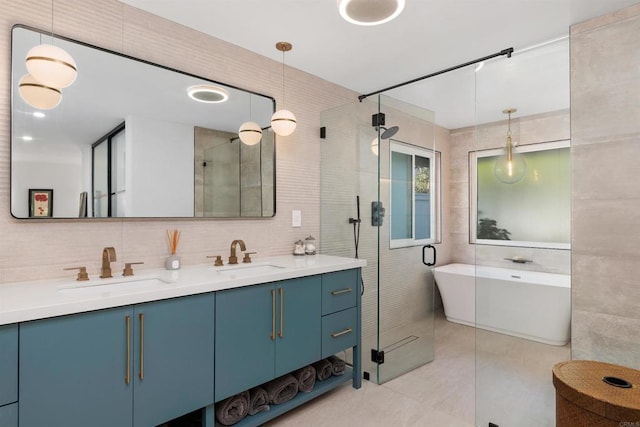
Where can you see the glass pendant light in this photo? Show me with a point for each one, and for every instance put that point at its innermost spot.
(51, 65)
(283, 122)
(510, 167)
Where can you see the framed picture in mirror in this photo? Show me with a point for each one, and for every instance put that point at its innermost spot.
(40, 203)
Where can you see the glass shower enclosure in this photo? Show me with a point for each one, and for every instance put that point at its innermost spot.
(380, 190)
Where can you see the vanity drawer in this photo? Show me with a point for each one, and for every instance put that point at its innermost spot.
(339, 331)
(339, 290)
(8, 364)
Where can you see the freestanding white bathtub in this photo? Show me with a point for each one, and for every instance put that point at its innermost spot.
(525, 304)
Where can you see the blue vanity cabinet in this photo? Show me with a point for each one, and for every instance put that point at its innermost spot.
(130, 366)
(265, 331)
(74, 370)
(173, 358)
(8, 375)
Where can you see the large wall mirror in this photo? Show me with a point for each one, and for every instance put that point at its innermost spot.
(127, 141)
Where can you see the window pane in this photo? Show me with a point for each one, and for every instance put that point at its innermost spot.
(422, 197)
(401, 195)
(536, 209)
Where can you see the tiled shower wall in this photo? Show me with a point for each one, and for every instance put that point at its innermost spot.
(605, 130)
(40, 249)
(551, 126)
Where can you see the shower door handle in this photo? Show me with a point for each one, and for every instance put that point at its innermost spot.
(424, 261)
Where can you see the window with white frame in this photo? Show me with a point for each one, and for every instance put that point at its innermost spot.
(414, 187)
(533, 212)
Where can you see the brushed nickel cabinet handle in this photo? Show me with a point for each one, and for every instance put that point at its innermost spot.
(281, 311)
(127, 376)
(341, 291)
(141, 373)
(273, 314)
(339, 334)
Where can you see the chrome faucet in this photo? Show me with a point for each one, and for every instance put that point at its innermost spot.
(108, 255)
(233, 259)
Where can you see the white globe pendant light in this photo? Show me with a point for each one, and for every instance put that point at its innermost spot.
(52, 66)
(250, 133)
(38, 95)
(283, 122)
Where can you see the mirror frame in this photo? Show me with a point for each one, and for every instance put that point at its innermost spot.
(13, 93)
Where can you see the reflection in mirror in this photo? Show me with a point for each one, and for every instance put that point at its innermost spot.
(127, 134)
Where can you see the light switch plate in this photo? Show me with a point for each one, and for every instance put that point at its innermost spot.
(296, 218)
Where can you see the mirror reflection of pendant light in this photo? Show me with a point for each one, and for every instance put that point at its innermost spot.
(38, 95)
(283, 122)
(250, 133)
(510, 167)
(368, 12)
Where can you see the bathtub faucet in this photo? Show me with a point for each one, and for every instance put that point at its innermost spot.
(518, 260)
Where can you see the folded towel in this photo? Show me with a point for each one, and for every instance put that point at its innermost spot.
(233, 409)
(337, 365)
(282, 389)
(258, 400)
(323, 369)
(306, 378)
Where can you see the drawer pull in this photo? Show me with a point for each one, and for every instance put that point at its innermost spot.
(127, 374)
(141, 373)
(281, 333)
(273, 314)
(339, 334)
(341, 291)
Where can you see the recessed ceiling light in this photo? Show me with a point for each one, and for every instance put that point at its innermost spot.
(208, 93)
(370, 12)
(27, 138)
(39, 114)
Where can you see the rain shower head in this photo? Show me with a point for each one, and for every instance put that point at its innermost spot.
(388, 133)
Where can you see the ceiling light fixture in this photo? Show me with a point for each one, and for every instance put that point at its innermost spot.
(283, 122)
(37, 94)
(370, 12)
(510, 167)
(208, 94)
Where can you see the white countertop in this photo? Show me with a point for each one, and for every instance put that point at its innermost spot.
(24, 301)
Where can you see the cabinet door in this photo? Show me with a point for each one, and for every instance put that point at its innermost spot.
(299, 323)
(73, 371)
(173, 358)
(245, 323)
(8, 364)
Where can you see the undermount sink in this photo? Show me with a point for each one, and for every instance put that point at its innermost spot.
(244, 270)
(111, 285)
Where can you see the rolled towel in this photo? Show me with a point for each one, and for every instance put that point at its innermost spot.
(233, 409)
(282, 389)
(337, 365)
(306, 378)
(323, 369)
(258, 400)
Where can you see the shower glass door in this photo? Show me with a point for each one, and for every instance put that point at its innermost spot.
(380, 202)
(520, 228)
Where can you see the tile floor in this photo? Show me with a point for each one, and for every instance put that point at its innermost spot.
(512, 376)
